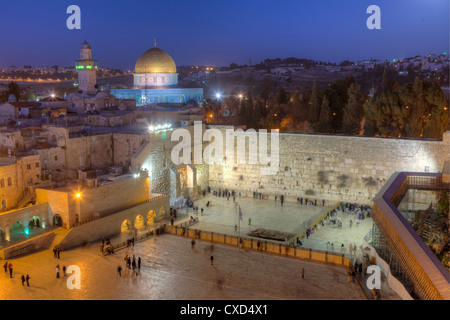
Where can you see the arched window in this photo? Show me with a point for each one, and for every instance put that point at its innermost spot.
(9, 181)
(3, 204)
(2, 183)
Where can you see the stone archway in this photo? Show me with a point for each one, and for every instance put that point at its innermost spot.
(126, 226)
(57, 220)
(151, 217)
(2, 235)
(139, 222)
(35, 223)
(16, 229)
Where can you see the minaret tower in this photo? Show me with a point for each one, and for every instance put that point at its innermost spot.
(86, 68)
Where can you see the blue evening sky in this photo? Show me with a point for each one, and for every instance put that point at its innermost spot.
(213, 32)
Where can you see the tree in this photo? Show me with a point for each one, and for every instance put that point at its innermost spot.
(325, 116)
(353, 110)
(13, 88)
(282, 96)
(314, 110)
(413, 96)
(30, 96)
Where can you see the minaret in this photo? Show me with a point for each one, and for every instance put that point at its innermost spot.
(86, 68)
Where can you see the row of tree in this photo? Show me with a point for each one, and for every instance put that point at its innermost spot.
(418, 109)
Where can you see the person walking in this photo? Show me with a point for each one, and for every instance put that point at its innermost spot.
(28, 280)
(303, 273)
(192, 244)
(23, 280)
(54, 252)
(5, 266)
(139, 263)
(212, 259)
(10, 267)
(64, 271)
(58, 251)
(249, 221)
(119, 271)
(129, 263)
(57, 271)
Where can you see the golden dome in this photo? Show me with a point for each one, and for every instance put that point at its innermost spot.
(155, 60)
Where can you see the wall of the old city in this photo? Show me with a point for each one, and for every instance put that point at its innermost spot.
(332, 167)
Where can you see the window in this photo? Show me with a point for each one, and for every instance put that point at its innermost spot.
(3, 204)
(30, 180)
(9, 181)
(56, 158)
(2, 183)
(28, 166)
(37, 164)
(427, 169)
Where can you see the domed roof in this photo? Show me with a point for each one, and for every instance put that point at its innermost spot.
(85, 45)
(155, 60)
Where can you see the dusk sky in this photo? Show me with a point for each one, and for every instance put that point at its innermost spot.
(212, 32)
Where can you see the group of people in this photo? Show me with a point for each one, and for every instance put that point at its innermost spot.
(9, 267)
(58, 270)
(309, 202)
(56, 252)
(134, 265)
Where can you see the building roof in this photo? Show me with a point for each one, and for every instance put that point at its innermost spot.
(155, 61)
(52, 99)
(24, 104)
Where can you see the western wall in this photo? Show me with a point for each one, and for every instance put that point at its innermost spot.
(331, 167)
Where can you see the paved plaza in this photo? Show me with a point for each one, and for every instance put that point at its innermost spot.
(294, 218)
(172, 270)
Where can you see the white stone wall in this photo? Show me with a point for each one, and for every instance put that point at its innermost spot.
(333, 167)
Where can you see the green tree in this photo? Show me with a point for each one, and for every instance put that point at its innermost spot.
(13, 88)
(325, 116)
(314, 109)
(282, 96)
(353, 110)
(30, 95)
(413, 96)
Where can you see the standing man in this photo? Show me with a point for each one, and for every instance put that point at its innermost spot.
(23, 280)
(28, 280)
(10, 270)
(303, 273)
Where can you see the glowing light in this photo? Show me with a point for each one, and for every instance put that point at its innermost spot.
(78, 195)
(218, 95)
(52, 95)
(136, 175)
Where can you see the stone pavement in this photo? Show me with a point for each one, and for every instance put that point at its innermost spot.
(172, 270)
(222, 215)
